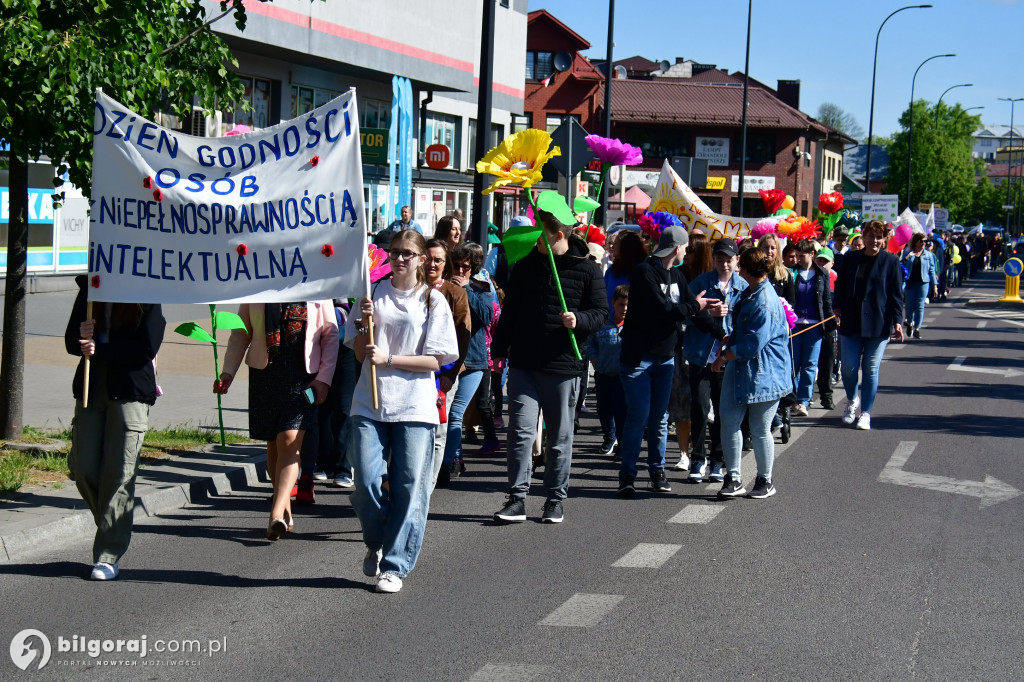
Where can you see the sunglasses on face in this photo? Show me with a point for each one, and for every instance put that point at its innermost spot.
(396, 254)
(461, 266)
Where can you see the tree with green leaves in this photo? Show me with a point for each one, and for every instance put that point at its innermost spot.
(152, 56)
(943, 169)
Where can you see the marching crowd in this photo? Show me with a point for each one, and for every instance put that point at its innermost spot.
(720, 341)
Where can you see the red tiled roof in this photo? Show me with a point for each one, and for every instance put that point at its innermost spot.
(714, 76)
(638, 63)
(539, 14)
(583, 69)
(683, 101)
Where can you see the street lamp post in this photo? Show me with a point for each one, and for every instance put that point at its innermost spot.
(743, 127)
(910, 137)
(951, 87)
(874, 70)
(608, 76)
(1009, 155)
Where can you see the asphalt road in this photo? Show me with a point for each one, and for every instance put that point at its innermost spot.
(864, 566)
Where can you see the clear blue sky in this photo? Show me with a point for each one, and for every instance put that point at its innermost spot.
(829, 47)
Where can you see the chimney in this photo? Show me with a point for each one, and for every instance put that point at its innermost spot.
(680, 60)
(789, 92)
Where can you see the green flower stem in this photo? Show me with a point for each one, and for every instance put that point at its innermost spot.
(554, 272)
(600, 188)
(216, 374)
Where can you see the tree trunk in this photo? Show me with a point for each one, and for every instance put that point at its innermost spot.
(12, 366)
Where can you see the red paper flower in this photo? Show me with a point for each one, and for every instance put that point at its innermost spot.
(328, 250)
(830, 203)
(314, 161)
(158, 195)
(772, 199)
(242, 249)
(147, 182)
(595, 236)
(95, 281)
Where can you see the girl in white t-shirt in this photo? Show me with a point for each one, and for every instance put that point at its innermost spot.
(414, 335)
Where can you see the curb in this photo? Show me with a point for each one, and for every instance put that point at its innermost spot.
(22, 545)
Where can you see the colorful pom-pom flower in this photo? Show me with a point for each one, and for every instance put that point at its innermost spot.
(328, 250)
(147, 182)
(95, 281)
(242, 249)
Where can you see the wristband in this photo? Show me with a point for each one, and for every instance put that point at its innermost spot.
(390, 358)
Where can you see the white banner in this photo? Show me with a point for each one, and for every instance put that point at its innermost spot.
(884, 207)
(269, 216)
(674, 196)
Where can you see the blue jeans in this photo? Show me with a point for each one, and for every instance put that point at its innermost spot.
(760, 420)
(393, 520)
(861, 356)
(647, 388)
(917, 296)
(469, 381)
(806, 347)
(611, 405)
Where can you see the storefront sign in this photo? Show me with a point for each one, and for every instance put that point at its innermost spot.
(752, 183)
(373, 143)
(715, 182)
(714, 149)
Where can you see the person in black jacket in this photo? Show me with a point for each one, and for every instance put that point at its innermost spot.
(659, 301)
(106, 437)
(544, 373)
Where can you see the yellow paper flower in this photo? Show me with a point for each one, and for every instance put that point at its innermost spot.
(518, 160)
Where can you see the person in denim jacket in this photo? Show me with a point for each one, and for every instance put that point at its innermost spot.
(722, 284)
(923, 280)
(758, 372)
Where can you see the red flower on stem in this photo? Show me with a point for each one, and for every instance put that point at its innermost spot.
(147, 182)
(314, 161)
(158, 195)
(95, 282)
(772, 199)
(242, 249)
(830, 203)
(328, 250)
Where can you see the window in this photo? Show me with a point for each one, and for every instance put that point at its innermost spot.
(497, 135)
(520, 122)
(257, 96)
(661, 142)
(306, 99)
(444, 129)
(539, 65)
(375, 114)
(554, 120)
(760, 148)
(986, 142)
(807, 153)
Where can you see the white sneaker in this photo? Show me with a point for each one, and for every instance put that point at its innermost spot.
(319, 476)
(683, 464)
(103, 571)
(850, 413)
(344, 481)
(371, 562)
(798, 410)
(389, 583)
(864, 422)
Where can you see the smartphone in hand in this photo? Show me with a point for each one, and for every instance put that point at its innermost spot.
(310, 395)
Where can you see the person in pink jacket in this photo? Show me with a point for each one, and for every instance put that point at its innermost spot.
(291, 350)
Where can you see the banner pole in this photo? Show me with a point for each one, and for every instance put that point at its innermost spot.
(85, 386)
(369, 330)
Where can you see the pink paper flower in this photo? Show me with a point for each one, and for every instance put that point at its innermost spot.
(147, 182)
(763, 227)
(95, 282)
(380, 266)
(328, 250)
(614, 152)
(242, 249)
(314, 161)
(790, 313)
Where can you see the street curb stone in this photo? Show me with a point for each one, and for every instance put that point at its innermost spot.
(66, 527)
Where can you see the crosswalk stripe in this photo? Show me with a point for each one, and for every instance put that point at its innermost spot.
(583, 610)
(697, 513)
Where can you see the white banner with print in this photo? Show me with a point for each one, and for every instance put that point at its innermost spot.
(674, 196)
(269, 216)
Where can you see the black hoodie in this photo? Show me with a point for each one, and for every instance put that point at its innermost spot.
(530, 332)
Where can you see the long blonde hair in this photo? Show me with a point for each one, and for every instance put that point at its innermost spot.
(777, 269)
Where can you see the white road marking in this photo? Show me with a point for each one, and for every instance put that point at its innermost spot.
(991, 490)
(647, 555)
(982, 324)
(583, 610)
(697, 513)
(510, 673)
(958, 366)
(1005, 316)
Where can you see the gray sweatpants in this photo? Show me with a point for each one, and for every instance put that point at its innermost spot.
(530, 392)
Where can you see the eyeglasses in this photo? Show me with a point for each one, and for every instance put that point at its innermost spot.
(395, 254)
(435, 261)
(461, 266)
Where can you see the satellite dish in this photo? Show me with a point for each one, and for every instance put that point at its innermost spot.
(562, 61)
(620, 71)
(664, 65)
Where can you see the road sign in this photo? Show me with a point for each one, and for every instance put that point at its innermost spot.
(1012, 269)
(571, 138)
(1008, 207)
(991, 491)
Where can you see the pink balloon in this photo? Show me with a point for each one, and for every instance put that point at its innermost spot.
(903, 234)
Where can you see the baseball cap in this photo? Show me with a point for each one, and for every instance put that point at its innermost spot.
(825, 253)
(519, 221)
(727, 246)
(671, 237)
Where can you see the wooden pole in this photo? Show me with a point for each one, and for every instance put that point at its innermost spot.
(85, 386)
